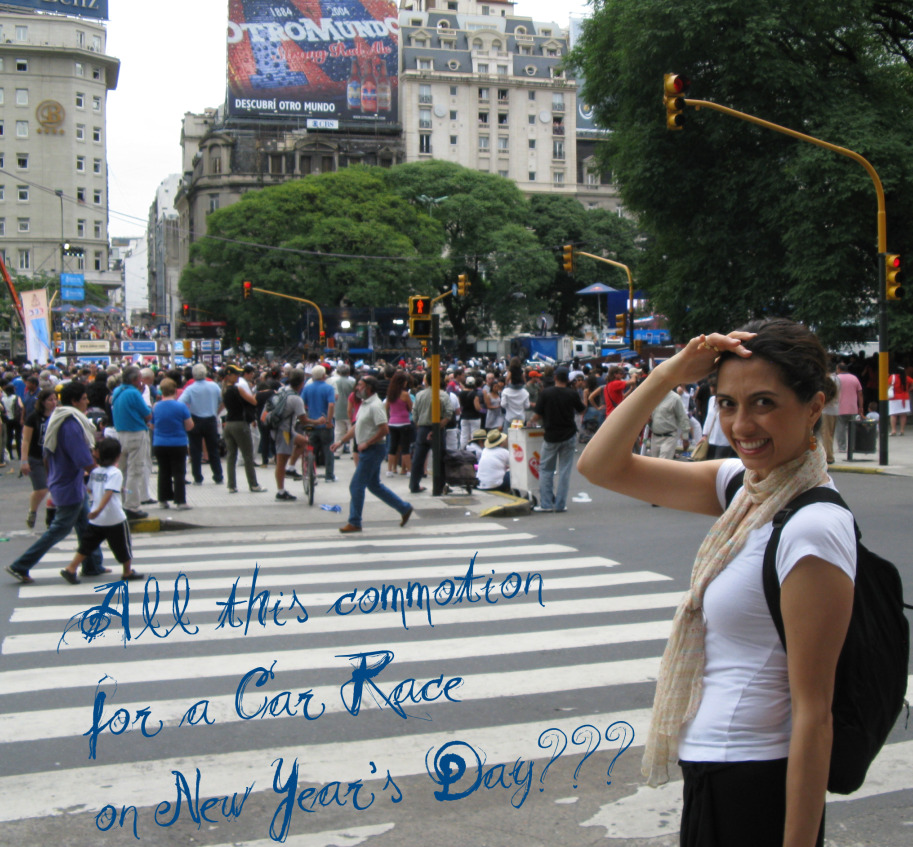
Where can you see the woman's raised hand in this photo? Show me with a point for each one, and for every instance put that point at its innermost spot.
(697, 359)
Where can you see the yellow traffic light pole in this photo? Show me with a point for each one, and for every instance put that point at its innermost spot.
(882, 246)
(627, 270)
(297, 300)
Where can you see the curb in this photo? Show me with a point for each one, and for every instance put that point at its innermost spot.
(516, 507)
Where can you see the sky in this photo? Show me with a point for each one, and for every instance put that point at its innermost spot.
(172, 55)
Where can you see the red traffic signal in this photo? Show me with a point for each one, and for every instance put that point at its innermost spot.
(246, 286)
(674, 87)
(893, 281)
(186, 310)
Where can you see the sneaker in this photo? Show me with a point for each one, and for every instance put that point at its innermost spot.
(198, 482)
(258, 489)
(232, 490)
(291, 473)
(30, 520)
(330, 479)
(136, 514)
(390, 473)
(284, 495)
(182, 507)
(24, 578)
(165, 504)
(69, 577)
(542, 509)
(218, 481)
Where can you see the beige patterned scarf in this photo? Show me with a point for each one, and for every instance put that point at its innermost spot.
(678, 688)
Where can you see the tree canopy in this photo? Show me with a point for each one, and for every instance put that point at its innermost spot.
(745, 221)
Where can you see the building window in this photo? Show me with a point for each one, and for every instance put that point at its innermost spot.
(80, 38)
(2, 226)
(97, 260)
(503, 144)
(503, 95)
(22, 193)
(25, 260)
(453, 91)
(483, 68)
(484, 145)
(453, 141)
(81, 164)
(425, 65)
(557, 126)
(503, 118)
(454, 65)
(81, 263)
(80, 100)
(424, 94)
(96, 104)
(96, 73)
(1, 90)
(96, 43)
(532, 176)
(453, 114)
(80, 132)
(96, 134)
(80, 69)
(215, 164)
(81, 228)
(424, 118)
(557, 149)
(483, 118)
(591, 179)
(98, 229)
(558, 177)
(96, 196)
(424, 143)
(483, 94)
(502, 70)
(1, 129)
(532, 144)
(213, 202)
(22, 97)
(532, 120)
(22, 66)
(503, 173)
(22, 33)
(80, 195)
(22, 129)
(22, 161)
(557, 102)
(24, 224)
(2, 189)
(96, 166)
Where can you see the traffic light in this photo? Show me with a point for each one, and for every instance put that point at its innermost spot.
(892, 278)
(568, 253)
(186, 309)
(188, 348)
(420, 307)
(674, 89)
(463, 285)
(420, 327)
(246, 288)
(621, 324)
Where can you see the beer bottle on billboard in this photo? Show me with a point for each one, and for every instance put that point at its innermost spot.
(384, 93)
(353, 87)
(369, 91)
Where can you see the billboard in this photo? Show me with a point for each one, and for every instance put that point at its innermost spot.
(37, 326)
(322, 60)
(97, 9)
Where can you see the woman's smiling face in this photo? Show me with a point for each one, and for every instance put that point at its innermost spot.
(762, 417)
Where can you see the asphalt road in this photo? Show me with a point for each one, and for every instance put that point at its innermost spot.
(516, 691)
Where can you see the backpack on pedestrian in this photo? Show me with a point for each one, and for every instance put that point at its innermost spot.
(274, 416)
(871, 679)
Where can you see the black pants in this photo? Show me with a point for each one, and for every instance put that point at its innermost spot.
(735, 804)
(172, 463)
(204, 429)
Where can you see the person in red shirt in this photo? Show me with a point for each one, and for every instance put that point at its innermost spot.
(616, 388)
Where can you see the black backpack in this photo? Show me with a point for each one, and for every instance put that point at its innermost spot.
(871, 678)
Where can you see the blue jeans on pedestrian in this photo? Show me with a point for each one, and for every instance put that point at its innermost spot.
(367, 476)
(560, 453)
(204, 429)
(65, 518)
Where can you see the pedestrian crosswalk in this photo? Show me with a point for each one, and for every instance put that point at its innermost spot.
(417, 657)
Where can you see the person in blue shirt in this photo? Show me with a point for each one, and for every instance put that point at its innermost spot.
(320, 402)
(131, 421)
(171, 422)
(204, 399)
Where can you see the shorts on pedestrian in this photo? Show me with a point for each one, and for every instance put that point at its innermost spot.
(283, 447)
(118, 538)
(38, 474)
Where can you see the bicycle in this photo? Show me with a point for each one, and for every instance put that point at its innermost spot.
(309, 467)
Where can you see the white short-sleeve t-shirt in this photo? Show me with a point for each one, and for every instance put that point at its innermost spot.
(745, 712)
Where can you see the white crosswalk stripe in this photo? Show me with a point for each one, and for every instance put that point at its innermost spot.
(600, 627)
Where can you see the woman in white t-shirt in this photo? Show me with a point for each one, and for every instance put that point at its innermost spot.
(750, 727)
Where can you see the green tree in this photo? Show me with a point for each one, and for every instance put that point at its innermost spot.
(557, 221)
(485, 220)
(336, 238)
(744, 221)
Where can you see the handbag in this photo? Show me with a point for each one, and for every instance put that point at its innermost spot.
(699, 453)
(891, 388)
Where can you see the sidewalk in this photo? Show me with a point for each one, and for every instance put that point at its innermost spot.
(212, 505)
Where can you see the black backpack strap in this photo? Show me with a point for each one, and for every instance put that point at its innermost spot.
(769, 570)
(733, 486)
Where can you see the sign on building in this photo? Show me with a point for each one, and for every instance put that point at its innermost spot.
(339, 64)
(97, 9)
